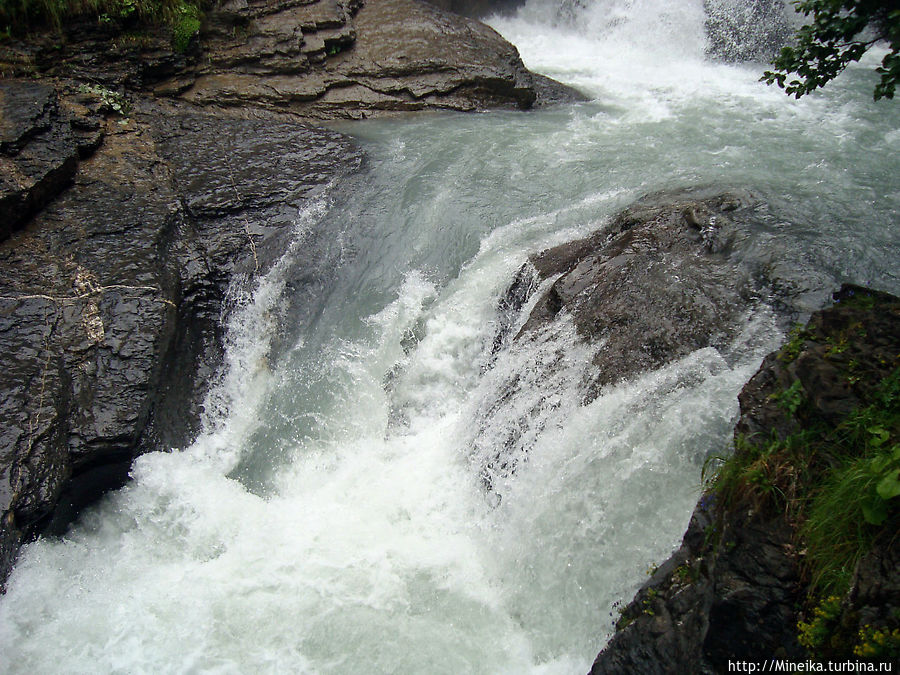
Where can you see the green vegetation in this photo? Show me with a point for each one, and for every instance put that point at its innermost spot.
(110, 101)
(18, 17)
(838, 483)
(835, 477)
(840, 32)
(820, 630)
(185, 25)
(875, 643)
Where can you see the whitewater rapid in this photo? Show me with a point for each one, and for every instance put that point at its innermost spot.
(332, 516)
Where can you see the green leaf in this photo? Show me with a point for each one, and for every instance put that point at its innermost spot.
(880, 434)
(875, 511)
(889, 486)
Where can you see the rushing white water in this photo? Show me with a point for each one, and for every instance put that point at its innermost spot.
(332, 518)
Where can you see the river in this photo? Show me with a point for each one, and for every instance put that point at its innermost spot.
(332, 517)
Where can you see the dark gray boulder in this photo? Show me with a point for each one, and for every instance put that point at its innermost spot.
(674, 273)
(111, 301)
(671, 274)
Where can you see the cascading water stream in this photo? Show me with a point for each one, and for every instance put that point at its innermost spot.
(333, 517)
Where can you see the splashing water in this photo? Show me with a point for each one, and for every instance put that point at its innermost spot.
(332, 517)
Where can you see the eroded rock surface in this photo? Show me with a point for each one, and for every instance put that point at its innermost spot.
(389, 56)
(671, 274)
(321, 59)
(38, 152)
(734, 589)
(111, 300)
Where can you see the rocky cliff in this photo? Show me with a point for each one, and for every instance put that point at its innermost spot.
(752, 579)
(139, 183)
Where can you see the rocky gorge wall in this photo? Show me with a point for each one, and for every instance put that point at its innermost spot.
(139, 185)
(743, 586)
(139, 188)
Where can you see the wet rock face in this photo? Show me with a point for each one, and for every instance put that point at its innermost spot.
(321, 59)
(670, 275)
(389, 56)
(707, 605)
(738, 30)
(734, 588)
(111, 300)
(38, 153)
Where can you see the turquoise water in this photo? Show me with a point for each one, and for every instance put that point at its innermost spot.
(331, 518)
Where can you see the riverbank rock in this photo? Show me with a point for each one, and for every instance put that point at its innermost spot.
(319, 59)
(112, 298)
(735, 589)
(391, 56)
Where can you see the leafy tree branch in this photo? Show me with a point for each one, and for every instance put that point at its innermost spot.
(838, 33)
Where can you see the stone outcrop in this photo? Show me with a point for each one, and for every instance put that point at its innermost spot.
(320, 59)
(112, 297)
(392, 56)
(671, 274)
(734, 589)
(738, 30)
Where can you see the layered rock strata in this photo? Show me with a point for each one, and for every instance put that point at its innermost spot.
(111, 301)
(321, 59)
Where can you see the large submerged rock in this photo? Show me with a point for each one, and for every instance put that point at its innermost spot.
(674, 273)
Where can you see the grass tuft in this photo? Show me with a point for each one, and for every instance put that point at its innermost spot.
(19, 17)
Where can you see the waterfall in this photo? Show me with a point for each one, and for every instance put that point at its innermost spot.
(336, 516)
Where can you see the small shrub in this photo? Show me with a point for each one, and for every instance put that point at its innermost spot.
(110, 101)
(791, 398)
(185, 25)
(796, 339)
(818, 633)
(878, 643)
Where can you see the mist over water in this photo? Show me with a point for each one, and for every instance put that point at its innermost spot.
(332, 518)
